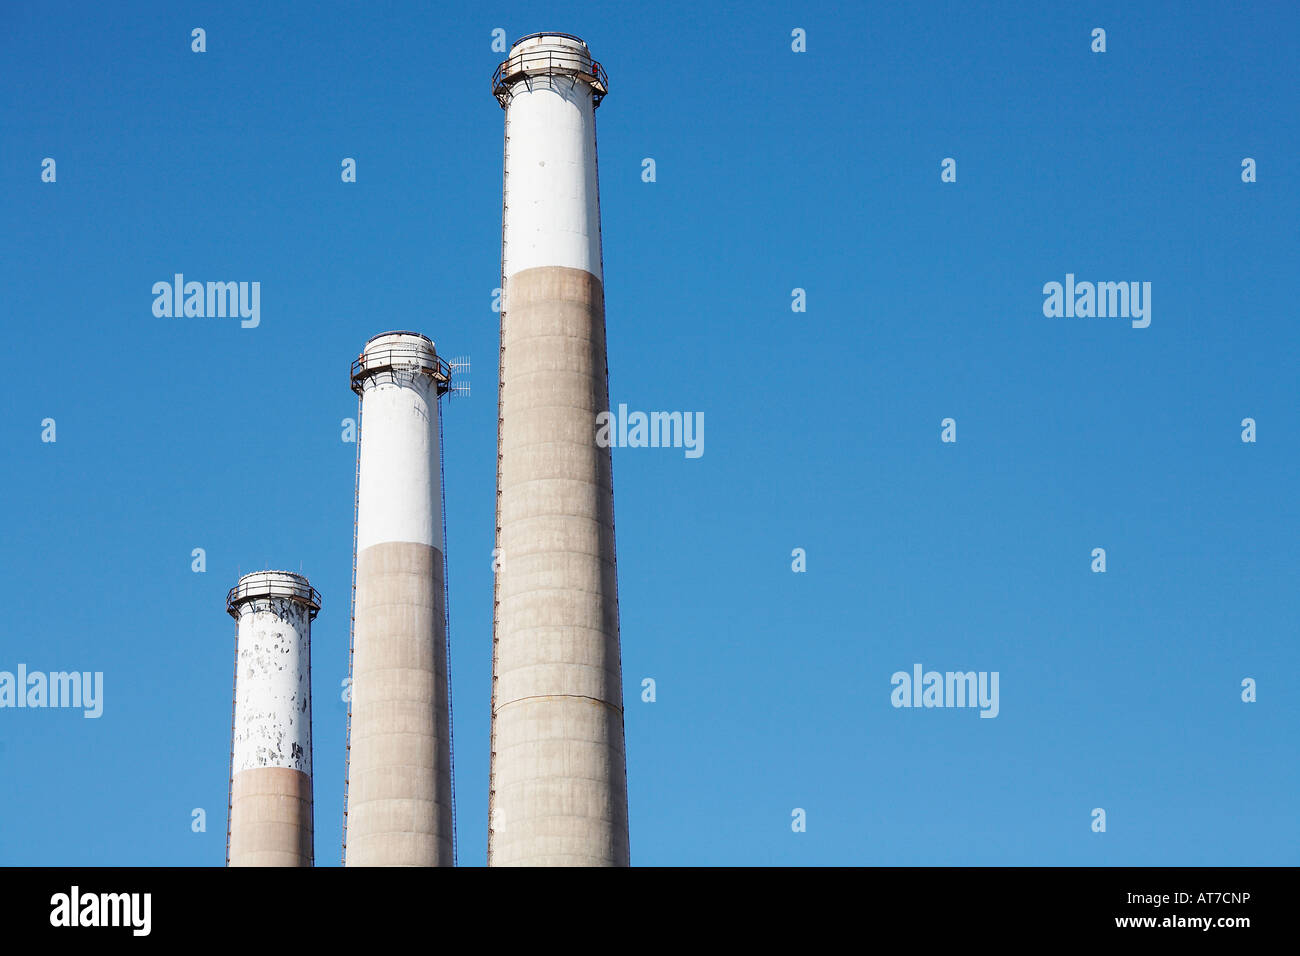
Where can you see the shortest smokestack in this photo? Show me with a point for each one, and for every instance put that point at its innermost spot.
(270, 821)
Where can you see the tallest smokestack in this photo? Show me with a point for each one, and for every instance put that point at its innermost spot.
(558, 792)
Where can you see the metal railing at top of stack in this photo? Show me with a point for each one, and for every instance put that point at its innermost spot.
(274, 588)
(557, 63)
(401, 358)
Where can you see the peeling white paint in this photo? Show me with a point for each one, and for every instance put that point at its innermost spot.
(272, 679)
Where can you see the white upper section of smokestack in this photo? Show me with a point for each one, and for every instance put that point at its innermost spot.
(552, 209)
(272, 670)
(399, 493)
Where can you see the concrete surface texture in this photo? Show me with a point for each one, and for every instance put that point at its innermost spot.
(558, 792)
(271, 818)
(399, 804)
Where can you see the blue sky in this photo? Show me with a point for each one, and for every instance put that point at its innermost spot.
(775, 170)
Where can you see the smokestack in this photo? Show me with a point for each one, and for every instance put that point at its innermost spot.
(558, 792)
(270, 821)
(398, 807)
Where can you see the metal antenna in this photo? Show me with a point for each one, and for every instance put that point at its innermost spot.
(459, 365)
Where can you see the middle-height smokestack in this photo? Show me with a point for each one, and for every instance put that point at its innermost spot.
(399, 796)
(558, 792)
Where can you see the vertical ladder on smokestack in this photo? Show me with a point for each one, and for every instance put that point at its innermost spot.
(352, 631)
(496, 555)
(613, 533)
(230, 778)
(446, 630)
(311, 757)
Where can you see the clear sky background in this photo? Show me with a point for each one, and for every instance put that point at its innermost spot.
(775, 170)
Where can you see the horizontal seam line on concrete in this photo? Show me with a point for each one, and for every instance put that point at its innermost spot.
(559, 441)
(564, 590)
(428, 670)
(550, 556)
(569, 408)
(523, 374)
(595, 700)
(404, 799)
(419, 544)
(556, 514)
(530, 482)
(388, 604)
(370, 834)
(514, 631)
(524, 336)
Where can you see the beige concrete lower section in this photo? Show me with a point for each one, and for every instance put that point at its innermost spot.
(559, 791)
(399, 780)
(271, 818)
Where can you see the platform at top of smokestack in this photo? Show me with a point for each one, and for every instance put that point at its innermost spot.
(549, 54)
(398, 351)
(272, 584)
